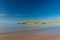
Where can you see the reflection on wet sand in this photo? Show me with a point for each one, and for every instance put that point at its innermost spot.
(31, 35)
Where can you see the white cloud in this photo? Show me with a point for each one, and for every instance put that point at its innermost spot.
(3, 14)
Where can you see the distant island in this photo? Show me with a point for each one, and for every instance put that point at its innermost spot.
(29, 23)
(38, 23)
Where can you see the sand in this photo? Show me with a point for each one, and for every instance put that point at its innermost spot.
(29, 35)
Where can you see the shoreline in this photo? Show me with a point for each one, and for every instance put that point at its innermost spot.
(32, 30)
(30, 35)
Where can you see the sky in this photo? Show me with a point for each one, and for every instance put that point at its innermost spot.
(12, 11)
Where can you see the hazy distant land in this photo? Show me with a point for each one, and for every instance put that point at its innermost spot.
(38, 23)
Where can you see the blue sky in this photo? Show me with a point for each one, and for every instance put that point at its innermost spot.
(29, 10)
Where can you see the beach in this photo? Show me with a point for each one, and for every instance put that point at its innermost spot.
(30, 35)
(29, 19)
(29, 32)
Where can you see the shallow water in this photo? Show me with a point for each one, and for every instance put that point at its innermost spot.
(21, 27)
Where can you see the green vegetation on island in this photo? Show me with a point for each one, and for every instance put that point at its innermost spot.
(38, 23)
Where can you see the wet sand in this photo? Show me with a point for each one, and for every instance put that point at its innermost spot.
(29, 35)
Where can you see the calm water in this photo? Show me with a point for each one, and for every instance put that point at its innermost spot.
(20, 27)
